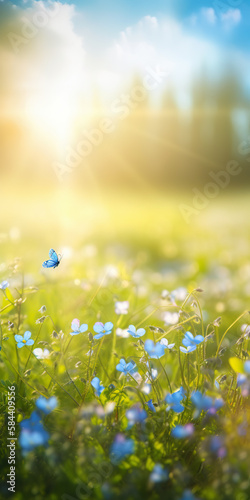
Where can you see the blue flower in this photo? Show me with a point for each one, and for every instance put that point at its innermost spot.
(32, 433)
(126, 367)
(120, 448)
(247, 366)
(188, 495)
(136, 333)
(4, 285)
(174, 400)
(77, 328)
(188, 350)
(158, 474)
(166, 345)
(102, 329)
(182, 431)
(154, 350)
(46, 405)
(200, 401)
(216, 405)
(97, 386)
(191, 342)
(206, 403)
(241, 379)
(136, 415)
(150, 405)
(217, 447)
(25, 340)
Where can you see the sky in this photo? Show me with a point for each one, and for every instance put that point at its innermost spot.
(229, 22)
(56, 56)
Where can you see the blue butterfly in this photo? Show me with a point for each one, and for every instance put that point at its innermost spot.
(54, 259)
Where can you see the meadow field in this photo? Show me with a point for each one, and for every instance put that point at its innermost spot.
(100, 411)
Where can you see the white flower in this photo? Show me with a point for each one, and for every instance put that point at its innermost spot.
(152, 374)
(42, 309)
(90, 352)
(180, 293)
(146, 388)
(122, 307)
(170, 318)
(122, 333)
(137, 377)
(41, 354)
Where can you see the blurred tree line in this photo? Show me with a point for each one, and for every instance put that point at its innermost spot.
(150, 145)
(169, 145)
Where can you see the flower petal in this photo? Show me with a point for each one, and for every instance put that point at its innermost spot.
(30, 342)
(75, 324)
(108, 326)
(99, 336)
(18, 338)
(27, 335)
(83, 328)
(98, 327)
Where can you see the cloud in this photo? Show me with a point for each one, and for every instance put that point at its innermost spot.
(163, 42)
(231, 18)
(228, 19)
(43, 64)
(209, 15)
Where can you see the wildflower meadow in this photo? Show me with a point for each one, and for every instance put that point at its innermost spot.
(124, 374)
(124, 250)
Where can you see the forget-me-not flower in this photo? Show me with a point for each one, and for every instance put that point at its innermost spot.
(97, 386)
(102, 329)
(25, 340)
(4, 285)
(136, 333)
(151, 405)
(136, 415)
(174, 400)
(46, 405)
(77, 328)
(191, 342)
(182, 431)
(243, 379)
(158, 474)
(32, 433)
(166, 345)
(217, 446)
(155, 351)
(188, 495)
(205, 403)
(126, 368)
(120, 448)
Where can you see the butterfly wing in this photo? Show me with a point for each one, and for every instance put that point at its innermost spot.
(50, 263)
(53, 255)
(53, 261)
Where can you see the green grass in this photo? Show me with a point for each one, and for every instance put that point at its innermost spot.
(125, 249)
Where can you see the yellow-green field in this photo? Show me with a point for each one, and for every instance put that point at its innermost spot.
(139, 249)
